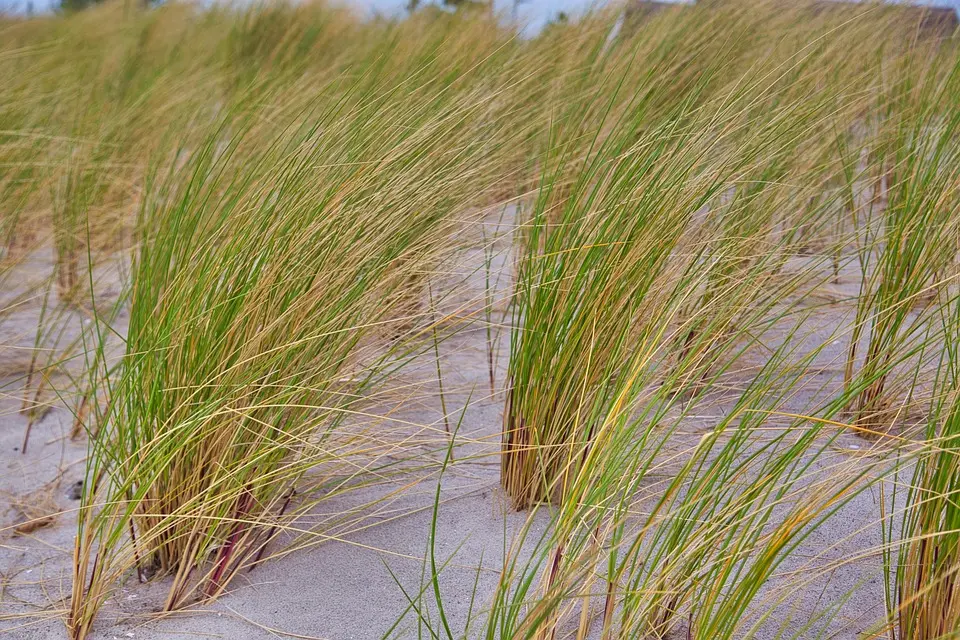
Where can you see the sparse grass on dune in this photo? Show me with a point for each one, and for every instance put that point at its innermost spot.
(279, 188)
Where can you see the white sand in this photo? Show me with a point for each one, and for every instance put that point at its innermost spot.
(343, 589)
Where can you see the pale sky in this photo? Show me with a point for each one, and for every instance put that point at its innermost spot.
(533, 13)
(537, 8)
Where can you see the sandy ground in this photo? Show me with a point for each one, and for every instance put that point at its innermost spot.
(350, 587)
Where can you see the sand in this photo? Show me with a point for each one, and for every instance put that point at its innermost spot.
(350, 587)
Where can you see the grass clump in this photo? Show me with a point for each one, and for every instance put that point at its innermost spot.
(269, 255)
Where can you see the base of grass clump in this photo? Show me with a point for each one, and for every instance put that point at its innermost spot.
(877, 417)
(517, 465)
(531, 472)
